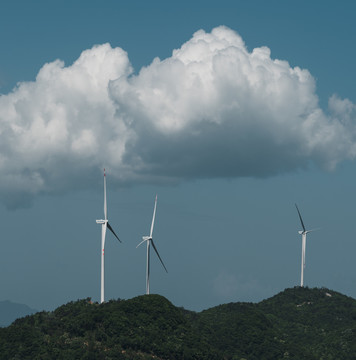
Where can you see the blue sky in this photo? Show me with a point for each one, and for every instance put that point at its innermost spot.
(228, 157)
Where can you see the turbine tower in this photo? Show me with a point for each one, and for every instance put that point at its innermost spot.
(304, 233)
(104, 224)
(149, 240)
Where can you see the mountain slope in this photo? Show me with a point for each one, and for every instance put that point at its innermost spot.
(315, 323)
(240, 330)
(298, 323)
(139, 328)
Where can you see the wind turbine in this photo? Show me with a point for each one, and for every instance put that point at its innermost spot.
(149, 241)
(304, 233)
(104, 224)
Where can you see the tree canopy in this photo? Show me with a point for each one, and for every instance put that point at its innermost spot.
(298, 323)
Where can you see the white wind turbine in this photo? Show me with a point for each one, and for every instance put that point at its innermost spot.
(304, 233)
(104, 224)
(149, 240)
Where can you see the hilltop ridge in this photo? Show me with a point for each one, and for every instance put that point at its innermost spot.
(297, 323)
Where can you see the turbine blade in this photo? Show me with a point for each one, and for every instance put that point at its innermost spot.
(105, 205)
(153, 217)
(316, 229)
(300, 217)
(112, 230)
(153, 244)
(141, 243)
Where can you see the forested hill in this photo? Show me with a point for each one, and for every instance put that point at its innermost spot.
(298, 323)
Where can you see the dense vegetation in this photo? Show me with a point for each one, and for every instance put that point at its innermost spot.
(314, 323)
(298, 323)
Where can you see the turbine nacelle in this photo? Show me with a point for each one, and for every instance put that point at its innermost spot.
(101, 221)
(144, 238)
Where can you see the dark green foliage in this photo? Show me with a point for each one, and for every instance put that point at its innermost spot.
(298, 323)
(141, 328)
(240, 330)
(314, 323)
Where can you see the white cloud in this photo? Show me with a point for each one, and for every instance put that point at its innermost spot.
(212, 109)
(62, 125)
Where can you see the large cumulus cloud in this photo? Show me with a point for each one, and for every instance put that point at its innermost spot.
(212, 109)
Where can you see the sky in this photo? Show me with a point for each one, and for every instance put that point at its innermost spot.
(231, 113)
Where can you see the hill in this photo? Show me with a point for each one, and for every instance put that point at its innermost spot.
(10, 311)
(314, 323)
(298, 323)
